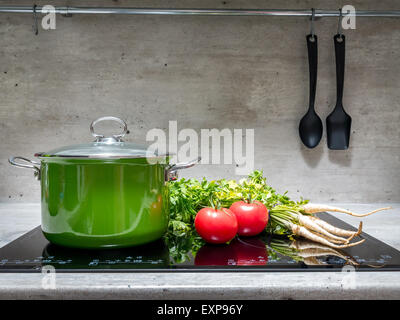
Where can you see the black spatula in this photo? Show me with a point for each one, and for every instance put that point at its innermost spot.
(338, 123)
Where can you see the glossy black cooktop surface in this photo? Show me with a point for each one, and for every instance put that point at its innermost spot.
(32, 251)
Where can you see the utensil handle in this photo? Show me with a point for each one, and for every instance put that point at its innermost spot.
(31, 164)
(312, 46)
(339, 40)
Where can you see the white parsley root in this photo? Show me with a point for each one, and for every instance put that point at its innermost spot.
(308, 249)
(304, 232)
(311, 208)
(337, 231)
(312, 261)
(313, 228)
(312, 224)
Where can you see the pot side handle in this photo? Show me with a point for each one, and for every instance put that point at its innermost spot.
(22, 164)
(172, 172)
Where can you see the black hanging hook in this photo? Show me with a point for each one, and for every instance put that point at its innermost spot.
(312, 31)
(339, 27)
(35, 22)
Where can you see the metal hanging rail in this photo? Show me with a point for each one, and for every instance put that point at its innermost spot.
(203, 12)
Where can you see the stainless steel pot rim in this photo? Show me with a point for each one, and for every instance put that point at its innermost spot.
(171, 170)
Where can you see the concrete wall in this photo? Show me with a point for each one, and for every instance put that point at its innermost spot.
(206, 72)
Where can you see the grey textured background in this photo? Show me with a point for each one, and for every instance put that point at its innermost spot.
(206, 72)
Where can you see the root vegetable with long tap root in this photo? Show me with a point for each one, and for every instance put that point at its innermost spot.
(304, 232)
(311, 227)
(308, 251)
(316, 252)
(313, 261)
(337, 231)
(311, 224)
(314, 228)
(311, 208)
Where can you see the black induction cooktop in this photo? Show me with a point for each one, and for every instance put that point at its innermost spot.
(31, 252)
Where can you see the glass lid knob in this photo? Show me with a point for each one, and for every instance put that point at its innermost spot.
(114, 137)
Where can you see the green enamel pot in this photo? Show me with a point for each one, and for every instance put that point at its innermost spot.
(104, 194)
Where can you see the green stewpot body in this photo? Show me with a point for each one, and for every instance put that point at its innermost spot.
(107, 194)
(103, 203)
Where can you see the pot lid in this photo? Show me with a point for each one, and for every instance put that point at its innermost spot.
(104, 147)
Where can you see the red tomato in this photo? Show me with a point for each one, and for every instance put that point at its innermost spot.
(240, 251)
(249, 251)
(212, 255)
(252, 217)
(216, 225)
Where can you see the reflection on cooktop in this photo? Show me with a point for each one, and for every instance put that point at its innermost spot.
(31, 252)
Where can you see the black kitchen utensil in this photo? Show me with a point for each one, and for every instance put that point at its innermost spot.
(338, 123)
(310, 128)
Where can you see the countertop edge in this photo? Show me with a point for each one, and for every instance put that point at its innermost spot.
(278, 285)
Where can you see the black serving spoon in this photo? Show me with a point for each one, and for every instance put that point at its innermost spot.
(310, 128)
(338, 123)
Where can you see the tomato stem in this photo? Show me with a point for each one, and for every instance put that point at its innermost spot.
(214, 202)
(249, 198)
